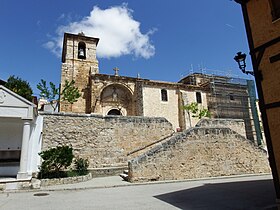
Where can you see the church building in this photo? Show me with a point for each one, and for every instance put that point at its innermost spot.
(133, 96)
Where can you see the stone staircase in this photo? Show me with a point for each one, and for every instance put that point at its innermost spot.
(198, 153)
(209, 149)
(236, 125)
(215, 147)
(137, 152)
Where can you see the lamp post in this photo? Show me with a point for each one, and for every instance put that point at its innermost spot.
(240, 59)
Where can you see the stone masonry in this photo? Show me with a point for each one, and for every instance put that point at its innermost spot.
(105, 141)
(236, 125)
(199, 152)
(152, 149)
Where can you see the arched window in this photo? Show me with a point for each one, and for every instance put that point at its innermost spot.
(198, 97)
(82, 50)
(164, 95)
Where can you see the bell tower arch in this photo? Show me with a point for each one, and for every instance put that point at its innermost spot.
(78, 63)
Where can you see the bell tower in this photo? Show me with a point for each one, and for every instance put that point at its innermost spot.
(78, 63)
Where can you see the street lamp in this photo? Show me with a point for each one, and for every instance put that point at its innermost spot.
(240, 59)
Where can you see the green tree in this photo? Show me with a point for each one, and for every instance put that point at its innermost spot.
(51, 94)
(197, 112)
(69, 92)
(20, 87)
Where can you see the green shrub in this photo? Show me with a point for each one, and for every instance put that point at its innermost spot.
(55, 161)
(81, 166)
(197, 112)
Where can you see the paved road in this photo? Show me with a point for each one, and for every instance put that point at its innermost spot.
(233, 193)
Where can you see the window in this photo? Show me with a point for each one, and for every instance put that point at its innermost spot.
(82, 50)
(198, 97)
(231, 97)
(164, 95)
(275, 9)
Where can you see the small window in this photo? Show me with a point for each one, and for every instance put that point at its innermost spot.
(164, 95)
(198, 97)
(231, 97)
(82, 50)
(275, 9)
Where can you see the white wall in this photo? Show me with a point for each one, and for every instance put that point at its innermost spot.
(153, 106)
(188, 98)
(35, 145)
(11, 130)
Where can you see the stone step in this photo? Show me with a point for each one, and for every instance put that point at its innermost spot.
(142, 150)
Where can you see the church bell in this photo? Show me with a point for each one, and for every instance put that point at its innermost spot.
(81, 53)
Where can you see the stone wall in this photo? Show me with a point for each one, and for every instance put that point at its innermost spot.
(197, 153)
(105, 141)
(236, 125)
(66, 180)
(102, 89)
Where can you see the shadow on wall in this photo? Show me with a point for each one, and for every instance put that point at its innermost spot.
(247, 195)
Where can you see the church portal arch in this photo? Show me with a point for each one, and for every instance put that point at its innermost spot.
(116, 99)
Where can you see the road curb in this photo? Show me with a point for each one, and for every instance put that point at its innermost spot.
(134, 184)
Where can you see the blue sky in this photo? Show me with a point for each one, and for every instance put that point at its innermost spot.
(159, 39)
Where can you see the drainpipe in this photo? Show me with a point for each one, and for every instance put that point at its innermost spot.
(258, 79)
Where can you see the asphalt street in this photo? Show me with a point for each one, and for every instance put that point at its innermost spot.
(254, 193)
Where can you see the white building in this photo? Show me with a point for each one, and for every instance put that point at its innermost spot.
(20, 136)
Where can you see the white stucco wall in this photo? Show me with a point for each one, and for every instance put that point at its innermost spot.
(11, 130)
(34, 160)
(153, 106)
(188, 98)
(20, 129)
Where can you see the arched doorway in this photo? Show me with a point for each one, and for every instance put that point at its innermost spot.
(114, 112)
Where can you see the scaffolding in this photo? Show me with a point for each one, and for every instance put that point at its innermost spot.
(234, 98)
(231, 98)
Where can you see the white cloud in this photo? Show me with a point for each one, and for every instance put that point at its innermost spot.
(52, 46)
(119, 33)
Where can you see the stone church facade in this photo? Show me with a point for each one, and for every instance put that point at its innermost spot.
(121, 95)
(132, 96)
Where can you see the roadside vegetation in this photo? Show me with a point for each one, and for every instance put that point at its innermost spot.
(58, 160)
